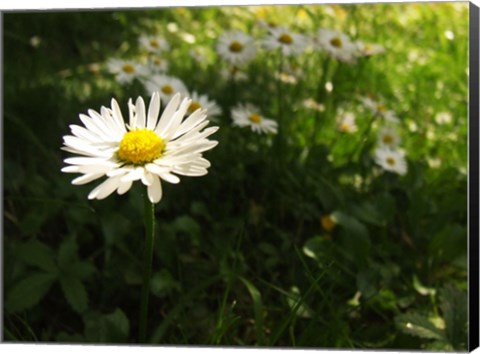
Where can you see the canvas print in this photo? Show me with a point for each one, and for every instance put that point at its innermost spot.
(237, 176)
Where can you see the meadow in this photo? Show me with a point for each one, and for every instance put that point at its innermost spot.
(334, 210)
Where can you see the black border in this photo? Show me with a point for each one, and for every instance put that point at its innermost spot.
(473, 282)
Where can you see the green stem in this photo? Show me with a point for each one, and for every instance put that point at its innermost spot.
(147, 267)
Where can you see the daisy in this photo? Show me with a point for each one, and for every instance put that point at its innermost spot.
(203, 102)
(391, 160)
(388, 138)
(236, 47)
(166, 85)
(379, 109)
(126, 70)
(157, 64)
(336, 44)
(288, 42)
(368, 49)
(245, 115)
(346, 122)
(233, 73)
(153, 44)
(147, 148)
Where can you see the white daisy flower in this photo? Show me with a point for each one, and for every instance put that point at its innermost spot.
(233, 73)
(236, 47)
(198, 54)
(203, 102)
(368, 49)
(388, 137)
(379, 109)
(126, 70)
(391, 160)
(157, 64)
(336, 44)
(346, 122)
(166, 85)
(247, 115)
(153, 44)
(147, 148)
(288, 42)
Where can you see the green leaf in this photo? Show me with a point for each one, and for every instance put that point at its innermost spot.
(453, 303)
(318, 248)
(417, 325)
(257, 308)
(162, 283)
(354, 237)
(367, 212)
(38, 254)
(111, 328)
(75, 293)
(82, 270)
(67, 253)
(29, 291)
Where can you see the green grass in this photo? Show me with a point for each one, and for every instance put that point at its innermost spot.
(241, 256)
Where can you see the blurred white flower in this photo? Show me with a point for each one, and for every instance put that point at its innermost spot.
(126, 70)
(167, 86)
(346, 122)
(336, 44)
(310, 103)
(153, 44)
(157, 64)
(236, 47)
(203, 102)
(288, 42)
(247, 115)
(368, 49)
(388, 137)
(379, 109)
(233, 73)
(147, 148)
(391, 160)
(443, 118)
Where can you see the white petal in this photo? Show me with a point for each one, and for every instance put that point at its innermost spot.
(117, 115)
(155, 190)
(147, 179)
(176, 120)
(124, 187)
(134, 175)
(170, 178)
(140, 110)
(105, 189)
(196, 118)
(167, 114)
(153, 111)
(87, 178)
(132, 115)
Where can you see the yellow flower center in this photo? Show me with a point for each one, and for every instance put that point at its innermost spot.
(128, 68)
(140, 146)
(157, 61)
(381, 108)
(390, 161)
(167, 89)
(154, 43)
(255, 118)
(336, 42)
(387, 139)
(327, 222)
(193, 107)
(236, 47)
(285, 39)
(345, 127)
